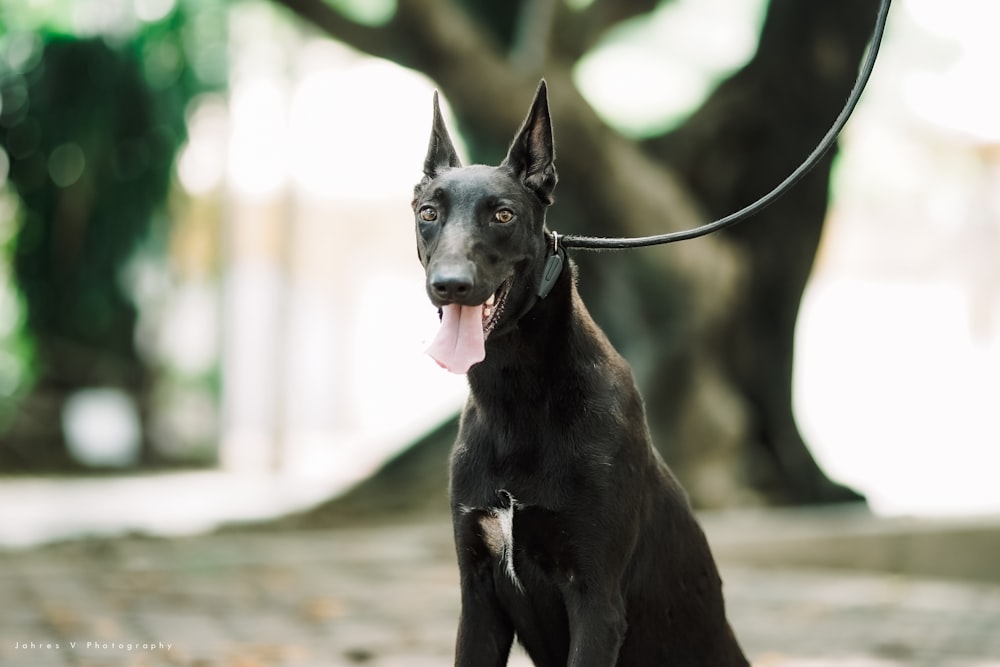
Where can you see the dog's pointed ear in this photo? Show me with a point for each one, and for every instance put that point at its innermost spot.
(532, 154)
(440, 151)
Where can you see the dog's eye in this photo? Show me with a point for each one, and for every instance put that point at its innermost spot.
(504, 215)
(428, 214)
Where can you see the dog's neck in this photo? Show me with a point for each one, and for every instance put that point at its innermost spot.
(543, 353)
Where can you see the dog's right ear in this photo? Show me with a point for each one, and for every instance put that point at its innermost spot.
(440, 151)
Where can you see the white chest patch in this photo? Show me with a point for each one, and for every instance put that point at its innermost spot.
(498, 532)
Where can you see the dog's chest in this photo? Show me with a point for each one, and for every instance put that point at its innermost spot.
(521, 540)
(496, 526)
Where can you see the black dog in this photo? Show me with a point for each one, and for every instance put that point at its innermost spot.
(570, 530)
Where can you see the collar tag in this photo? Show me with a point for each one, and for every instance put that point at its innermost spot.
(553, 268)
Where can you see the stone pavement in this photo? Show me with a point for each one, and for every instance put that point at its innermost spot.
(387, 597)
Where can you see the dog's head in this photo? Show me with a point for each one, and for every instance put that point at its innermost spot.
(481, 235)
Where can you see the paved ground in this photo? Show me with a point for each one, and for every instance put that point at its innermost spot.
(387, 597)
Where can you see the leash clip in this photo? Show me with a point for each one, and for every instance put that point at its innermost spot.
(553, 268)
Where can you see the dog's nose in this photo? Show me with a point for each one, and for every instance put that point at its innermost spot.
(451, 283)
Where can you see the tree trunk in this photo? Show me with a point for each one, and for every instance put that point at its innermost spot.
(751, 133)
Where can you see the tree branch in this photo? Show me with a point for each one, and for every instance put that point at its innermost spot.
(374, 41)
(531, 46)
(578, 31)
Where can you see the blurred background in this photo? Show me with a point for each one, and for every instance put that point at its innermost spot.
(211, 309)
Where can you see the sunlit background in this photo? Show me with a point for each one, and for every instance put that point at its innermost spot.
(289, 310)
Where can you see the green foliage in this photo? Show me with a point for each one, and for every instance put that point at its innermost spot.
(90, 154)
(92, 113)
(16, 349)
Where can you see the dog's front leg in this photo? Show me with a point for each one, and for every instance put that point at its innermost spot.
(597, 628)
(485, 633)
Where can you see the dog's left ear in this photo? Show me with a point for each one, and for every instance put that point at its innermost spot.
(532, 154)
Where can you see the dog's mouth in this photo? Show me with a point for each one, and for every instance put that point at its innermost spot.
(493, 308)
(461, 341)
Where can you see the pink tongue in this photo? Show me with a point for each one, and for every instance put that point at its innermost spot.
(460, 342)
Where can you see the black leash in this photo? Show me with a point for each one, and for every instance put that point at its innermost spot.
(601, 243)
